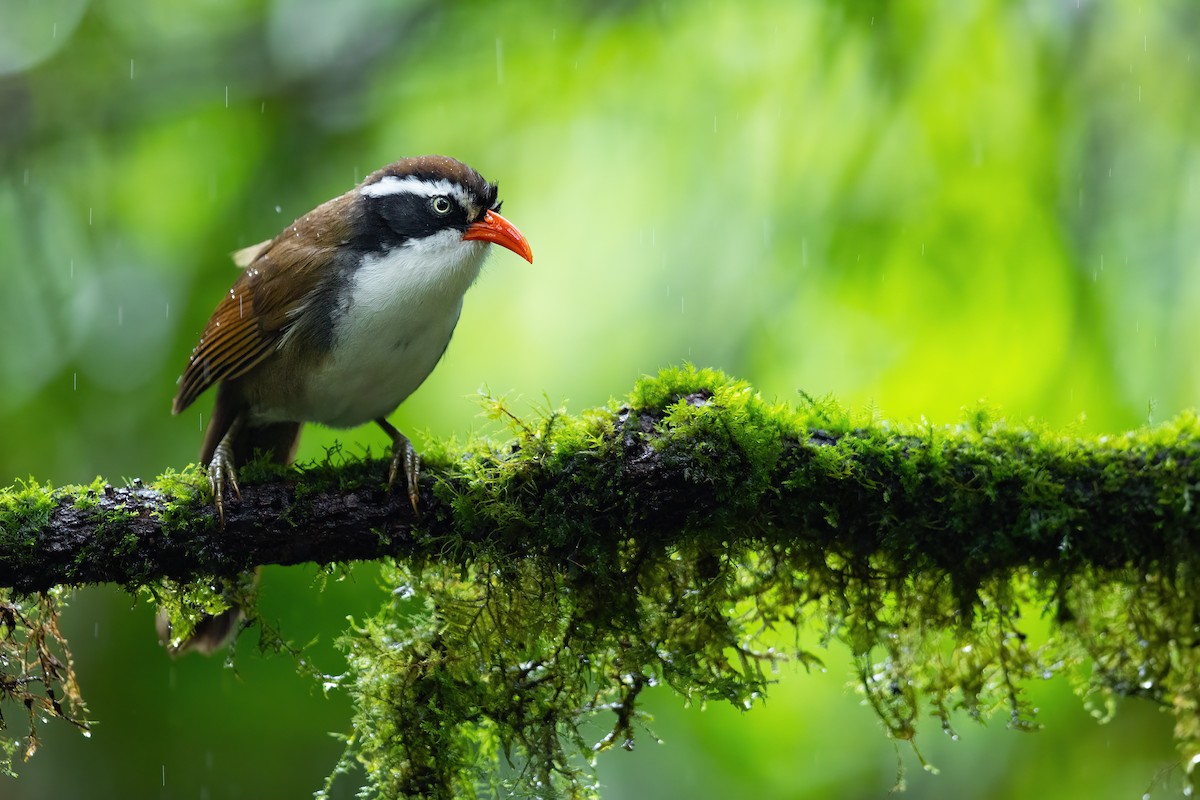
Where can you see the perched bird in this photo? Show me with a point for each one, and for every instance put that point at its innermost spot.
(343, 315)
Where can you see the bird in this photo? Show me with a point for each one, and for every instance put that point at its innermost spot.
(340, 317)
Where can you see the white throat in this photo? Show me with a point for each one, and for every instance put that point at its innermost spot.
(397, 316)
(404, 281)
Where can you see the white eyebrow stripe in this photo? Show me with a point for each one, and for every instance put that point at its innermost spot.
(416, 186)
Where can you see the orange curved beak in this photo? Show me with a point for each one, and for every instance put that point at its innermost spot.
(497, 230)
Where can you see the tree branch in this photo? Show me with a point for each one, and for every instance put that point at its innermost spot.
(669, 540)
(134, 534)
(970, 501)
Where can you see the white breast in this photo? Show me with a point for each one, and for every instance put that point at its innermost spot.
(400, 310)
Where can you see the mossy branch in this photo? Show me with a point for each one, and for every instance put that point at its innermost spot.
(664, 539)
(967, 502)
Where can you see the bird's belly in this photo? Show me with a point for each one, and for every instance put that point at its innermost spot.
(372, 369)
(394, 319)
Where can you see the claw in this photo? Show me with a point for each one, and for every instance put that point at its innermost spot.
(403, 455)
(222, 473)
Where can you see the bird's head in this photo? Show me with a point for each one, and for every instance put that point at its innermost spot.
(436, 203)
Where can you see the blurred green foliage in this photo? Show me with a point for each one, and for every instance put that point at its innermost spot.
(910, 205)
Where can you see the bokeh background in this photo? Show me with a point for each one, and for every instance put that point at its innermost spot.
(909, 205)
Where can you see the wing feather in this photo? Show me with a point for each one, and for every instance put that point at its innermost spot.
(279, 278)
(233, 342)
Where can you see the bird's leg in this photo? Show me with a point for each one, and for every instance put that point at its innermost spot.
(404, 455)
(222, 471)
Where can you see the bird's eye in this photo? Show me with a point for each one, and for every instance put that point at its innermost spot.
(440, 205)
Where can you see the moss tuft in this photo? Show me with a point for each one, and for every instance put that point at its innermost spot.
(24, 511)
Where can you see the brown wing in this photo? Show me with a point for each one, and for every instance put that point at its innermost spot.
(279, 280)
(233, 342)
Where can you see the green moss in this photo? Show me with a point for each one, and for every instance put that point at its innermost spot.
(184, 605)
(694, 534)
(930, 551)
(183, 491)
(87, 497)
(25, 509)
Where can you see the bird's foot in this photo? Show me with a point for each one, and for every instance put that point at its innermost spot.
(404, 457)
(223, 473)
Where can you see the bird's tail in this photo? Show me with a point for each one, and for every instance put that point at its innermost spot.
(278, 441)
